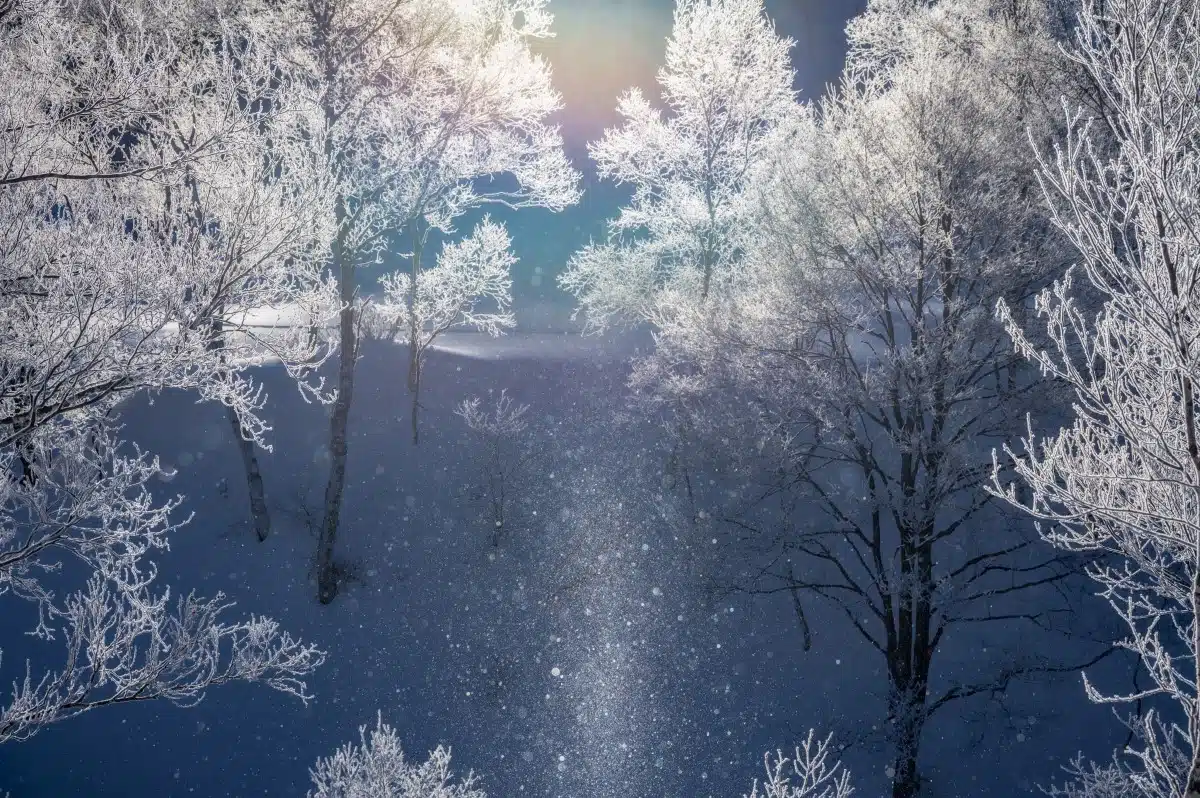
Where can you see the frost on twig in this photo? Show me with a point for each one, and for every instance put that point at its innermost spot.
(70, 498)
(1120, 483)
(125, 643)
(505, 419)
(377, 768)
(809, 773)
(470, 286)
(1131, 773)
(159, 219)
(504, 456)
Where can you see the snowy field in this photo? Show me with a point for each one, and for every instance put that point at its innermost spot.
(583, 657)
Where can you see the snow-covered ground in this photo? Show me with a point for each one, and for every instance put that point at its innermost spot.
(581, 658)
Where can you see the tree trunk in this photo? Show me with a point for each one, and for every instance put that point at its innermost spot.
(910, 657)
(906, 781)
(906, 711)
(327, 586)
(907, 719)
(1192, 787)
(414, 387)
(414, 381)
(327, 581)
(415, 411)
(259, 514)
(414, 332)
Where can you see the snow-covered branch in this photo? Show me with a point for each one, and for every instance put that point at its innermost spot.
(505, 457)
(1122, 480)
(125, 643)
(809, 773)
(469, 273)
(378, 768)
(155, 186)
(727, 85)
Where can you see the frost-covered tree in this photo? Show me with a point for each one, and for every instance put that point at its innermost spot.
(807, 774)
(427, 110)
(250, 223)
(102, 276)
(157, 186)
(727, 85)
(850, 369)
(865, 341)
(81, 505)
(85, 81)
(504, 454)
(378, 768)
(1123, 481)
(469, 273)
(142, 185)
(126, 643)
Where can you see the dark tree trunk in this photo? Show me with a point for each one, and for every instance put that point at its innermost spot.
(416, 437)
(910, 650)
(906, 781)
(909, 672)
(415, 353)
(327, 581)
(414, 386)
(259, 515)
(28, 475)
